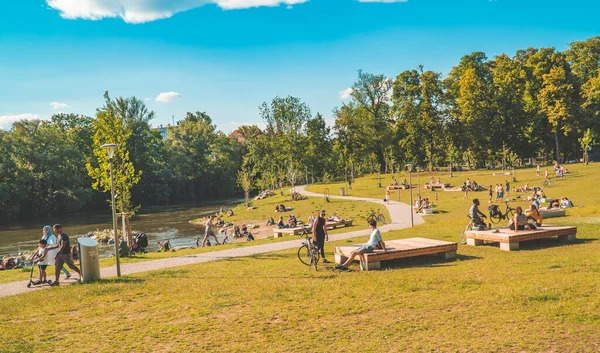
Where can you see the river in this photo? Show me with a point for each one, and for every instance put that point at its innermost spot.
(159, 223)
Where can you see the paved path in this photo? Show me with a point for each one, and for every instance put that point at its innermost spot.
(400, 219)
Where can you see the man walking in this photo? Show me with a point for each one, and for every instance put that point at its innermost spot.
(64, 254)
(320, 235)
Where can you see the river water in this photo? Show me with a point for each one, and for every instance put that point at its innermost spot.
(159, 224)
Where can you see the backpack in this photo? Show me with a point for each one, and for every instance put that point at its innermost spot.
(494, 210)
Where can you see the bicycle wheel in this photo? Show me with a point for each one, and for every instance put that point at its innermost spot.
(381, 219)
(315, 259)
(463, 236)
(304, 255)
(510, 214)
(495, 219)
(370, 218)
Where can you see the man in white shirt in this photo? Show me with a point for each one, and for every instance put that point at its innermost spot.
(375, 242)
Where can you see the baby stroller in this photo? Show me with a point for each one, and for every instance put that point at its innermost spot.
(140, 243)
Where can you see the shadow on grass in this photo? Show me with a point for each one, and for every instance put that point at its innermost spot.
(545, 243)
(425, 261)
(125, 279)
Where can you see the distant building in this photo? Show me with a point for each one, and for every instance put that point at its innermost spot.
(163, 131)
(236, 134)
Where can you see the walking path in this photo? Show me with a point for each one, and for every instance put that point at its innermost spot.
(400, 219)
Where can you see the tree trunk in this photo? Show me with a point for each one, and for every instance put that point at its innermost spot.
(557, 151)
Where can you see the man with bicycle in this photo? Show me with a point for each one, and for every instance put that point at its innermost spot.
(476, 215)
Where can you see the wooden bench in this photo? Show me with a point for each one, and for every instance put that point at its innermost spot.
(278, 232)
(453, 189)
(398, 187)
(552, 213)
(427, 211)
(338, 224)
(436, 185)
(509, 240)
(398, 249)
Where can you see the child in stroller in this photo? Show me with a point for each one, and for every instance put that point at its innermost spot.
(140, 243)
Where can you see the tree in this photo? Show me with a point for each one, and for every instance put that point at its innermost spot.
(558, 101)
(588, 140)
(109, 128)
(245, 180)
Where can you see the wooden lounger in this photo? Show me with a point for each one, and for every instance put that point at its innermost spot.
(436, 185)
(278, 233)
(396, 187)
(398, 249)
(509, 240)
(338, 224)
(552, 213)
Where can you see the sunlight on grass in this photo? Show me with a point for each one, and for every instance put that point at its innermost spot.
(542, 298)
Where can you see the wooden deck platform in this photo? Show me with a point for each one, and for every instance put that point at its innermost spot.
(398, 249)
(436, 186)
(501, 174)
(509, 240)
(552, 213)
(278, 233)
(453, 189)
(338, 224)
(398, 187)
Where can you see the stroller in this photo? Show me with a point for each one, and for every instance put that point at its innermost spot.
(140, 243)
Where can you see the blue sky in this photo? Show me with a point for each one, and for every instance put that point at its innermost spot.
(226, 57)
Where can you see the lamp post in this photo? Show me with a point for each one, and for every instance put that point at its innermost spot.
(110, 150)
(409, 167)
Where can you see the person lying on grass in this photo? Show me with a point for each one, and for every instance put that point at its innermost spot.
(375, 242)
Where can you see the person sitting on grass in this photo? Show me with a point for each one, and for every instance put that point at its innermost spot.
(230, 213)
(519, 221)
(534, 216)
(160, 246)
(270, 222)
(167, 245)
(566, 203)
(375, 242)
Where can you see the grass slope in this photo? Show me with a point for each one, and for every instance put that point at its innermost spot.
(543, 298)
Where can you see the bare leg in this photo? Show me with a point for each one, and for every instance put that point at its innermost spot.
(353, 255)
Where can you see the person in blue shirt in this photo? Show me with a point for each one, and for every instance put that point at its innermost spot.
(375, 242)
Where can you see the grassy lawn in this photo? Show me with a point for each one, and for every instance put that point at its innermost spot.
(265, 209)
(542, 298)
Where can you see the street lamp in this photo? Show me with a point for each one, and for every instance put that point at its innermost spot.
(110, 150)
(409, 167)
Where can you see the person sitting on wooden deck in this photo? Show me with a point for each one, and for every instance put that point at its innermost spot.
(404, 182)
(566, 203)
(519, 221)
(375, 242)
(395, 182)
(280, 224)
(477, 216)
(534, 216)
(292, 221)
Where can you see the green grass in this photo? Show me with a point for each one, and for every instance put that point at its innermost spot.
(542, 298)
(265, 209)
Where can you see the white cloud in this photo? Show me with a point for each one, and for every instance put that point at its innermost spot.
(345, 94)
(383, 1)
(168, 97)
(7, 120)
(57, 105)
(141, 11)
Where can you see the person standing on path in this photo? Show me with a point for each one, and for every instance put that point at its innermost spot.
(537, 170)
(387, 196)
(320, 233)
(64, 254)
(49, 237)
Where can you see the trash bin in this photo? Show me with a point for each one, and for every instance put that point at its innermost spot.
(342, 192)
(90, 261)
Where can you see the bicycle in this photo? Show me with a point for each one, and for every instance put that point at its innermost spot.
(468, 228)
(308, 253)
(496, 216)
(379, 217)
